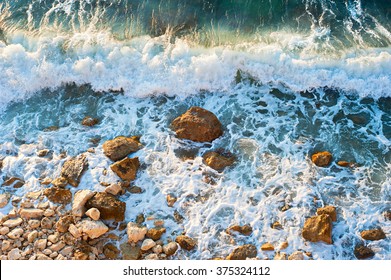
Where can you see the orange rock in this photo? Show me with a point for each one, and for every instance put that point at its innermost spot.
(217, 161)
(373, 234)
(318, 228)
(329, 210)
(119, 147)
(322, 159)
(126, 169)
(267, 247)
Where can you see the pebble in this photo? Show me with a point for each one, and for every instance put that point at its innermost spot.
(93, 213)
(42, 257)
(74, 231)
(4, 230)
(46, 223)
(60, 257)
(48, 213)
(32, 236)
(31, 213)
(113, 189)
(13, 213)
(47, 252)
(13, 223)
(152, 257)
(157, 249)
(296, 256)
(147, 244)
(53, 238)
(57, 246)
(170, 248)
(40, 244)
(34, 223)
(14, 254)
(15, 233)
(5, 245)
(53, 255)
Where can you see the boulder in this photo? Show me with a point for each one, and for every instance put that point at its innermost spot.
(58, 195)
(126, 169)
(80, 199)
(328, 210)
(93, 229)
(197, 124)
(108, 205)
(373, 234)
(245, 230)
(217, 160)
(135, 232)
(89, 121)
(318, 228)
(322, 159)
(121, 146)
(363, 252)
(73, 169)
(186, 242)
(170, 248)
(243, 252)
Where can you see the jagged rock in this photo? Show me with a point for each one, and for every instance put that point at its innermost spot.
(243, 252)
(89, 121)
(110, 251)
(119, 147)
(171, 199)
(93, 213)
(135, 232)
(114, 189)
(15, 182)
(363, 252)
(328, 210)
(73, 169)
(58, 195)
(64, 222)
(373, 234)
(130, 252)
(170, 248)
(155, 233)
(267, 247)
(11, 223)
(31, 213)
(245, 230)
(284, 245)
(297, 256)
(93, 229)
(198, 125)
(186, 242)
(147, 244)
(75, 231)
(60, 182)
(108, 205)
(318, 228)
(42, 153)
(218, 160)
(126, 169)
(322, 159)
(4, 199)
(80, 199)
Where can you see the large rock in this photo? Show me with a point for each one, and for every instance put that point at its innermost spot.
(58, 195)
(73, 169)
(135, 232)
(79, 201)
(186, 242)
(93, 229)
(243, 252)
(218, 160)
(362, 252)
(318, 228)
(329, 210)
(198, 125)
(126, 169)
(119, 147)
(108, 205)
(322, 159)
(373, 234)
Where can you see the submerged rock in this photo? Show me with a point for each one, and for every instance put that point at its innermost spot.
(89, 121)
(328, 210)
(186, 242)
(126, 169)
(322, 159)
(363, 252)
(198, 125)
(245, 230)
(218, 160)
(267, 247)
(121, 146)
(318, 228)
(373, 234)
(73, 169)
(243, 252)
(58, 195)
(15, 182)
(108, 205)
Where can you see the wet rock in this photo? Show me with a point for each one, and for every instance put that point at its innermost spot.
(93, 229)
(198, 125)
(93, 213)
(73, 169)
(155, 233)
(297, 256)
(140, 219)
(277, 225)
(171, 199)
(63, 223)
(130, 252)
(135, 189)
(11, 223)
(110, 251)
(318, 228)
(322, 159)
(387, 215)
(42, 153)
(60, 182)
(280, 256)
(31, 213)
(79, 201)
(245, 230)
(114, 189)
(108, 205)
(14, 254)
(373, 234)
(126, 169)
(4, 199)
(218, 160)
(158, 249)
(343, 163)
(363, 252)
(243, 252)
(284, 245)
(170, 248)
(135, 232)
(267, 247)
(58, 195)
(178, 217)
(119, 147)
(15, 182)
(89, 121)
(186, 242)
(147, 244)
(328, 210)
